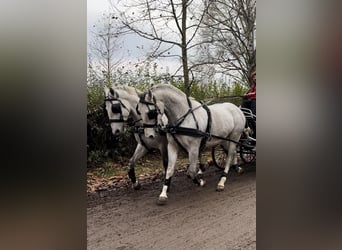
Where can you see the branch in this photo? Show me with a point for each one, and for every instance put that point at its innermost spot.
(175, 18)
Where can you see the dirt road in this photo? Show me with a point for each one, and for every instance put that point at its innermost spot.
(194, 218)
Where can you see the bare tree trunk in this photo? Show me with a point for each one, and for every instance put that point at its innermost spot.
(187, 86)
(108, 59)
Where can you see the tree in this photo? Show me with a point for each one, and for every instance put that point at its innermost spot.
(169, 24)
(106, 46)
(231, 25)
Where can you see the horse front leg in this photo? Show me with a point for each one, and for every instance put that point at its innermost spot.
(139, 152)
(165, 160)
(172, 153)
(230, 159)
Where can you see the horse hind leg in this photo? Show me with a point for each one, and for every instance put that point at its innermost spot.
(201, 165)
(230, 160)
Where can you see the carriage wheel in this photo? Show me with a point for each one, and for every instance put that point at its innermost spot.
(247, 155)
(219, 155)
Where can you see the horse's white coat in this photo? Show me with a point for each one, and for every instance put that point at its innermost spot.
(227, 121)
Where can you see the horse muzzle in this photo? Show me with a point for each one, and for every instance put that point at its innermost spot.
(150, 133)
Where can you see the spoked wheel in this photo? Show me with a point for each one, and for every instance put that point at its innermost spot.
(247, 150)
(219, 155)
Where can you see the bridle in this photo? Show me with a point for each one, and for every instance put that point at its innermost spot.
(116, 109)
(152, 114)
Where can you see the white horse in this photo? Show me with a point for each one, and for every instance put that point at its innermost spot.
(121, 104)
(192, 126)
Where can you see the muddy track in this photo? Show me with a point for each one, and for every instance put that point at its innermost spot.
(194, 218)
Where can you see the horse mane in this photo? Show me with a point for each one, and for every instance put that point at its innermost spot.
(164, 86)
(122, 89)
(173, 88)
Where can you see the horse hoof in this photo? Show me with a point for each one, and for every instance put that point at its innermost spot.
(219, 188)
(136, 186)
(202, 183)
(162, 201)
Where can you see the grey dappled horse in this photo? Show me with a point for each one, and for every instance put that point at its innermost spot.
(120, 104)
(191, 126)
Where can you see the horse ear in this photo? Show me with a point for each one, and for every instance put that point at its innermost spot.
(111, 91)
(149, 94)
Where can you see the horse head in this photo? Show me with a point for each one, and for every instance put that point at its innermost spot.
(152, 114)
(117, 109)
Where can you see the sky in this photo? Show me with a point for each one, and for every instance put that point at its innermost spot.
(95, 9)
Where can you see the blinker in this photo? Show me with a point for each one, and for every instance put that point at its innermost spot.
(152, 114)
(116, 108)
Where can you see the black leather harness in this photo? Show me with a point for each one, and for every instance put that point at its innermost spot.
(178, 130)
